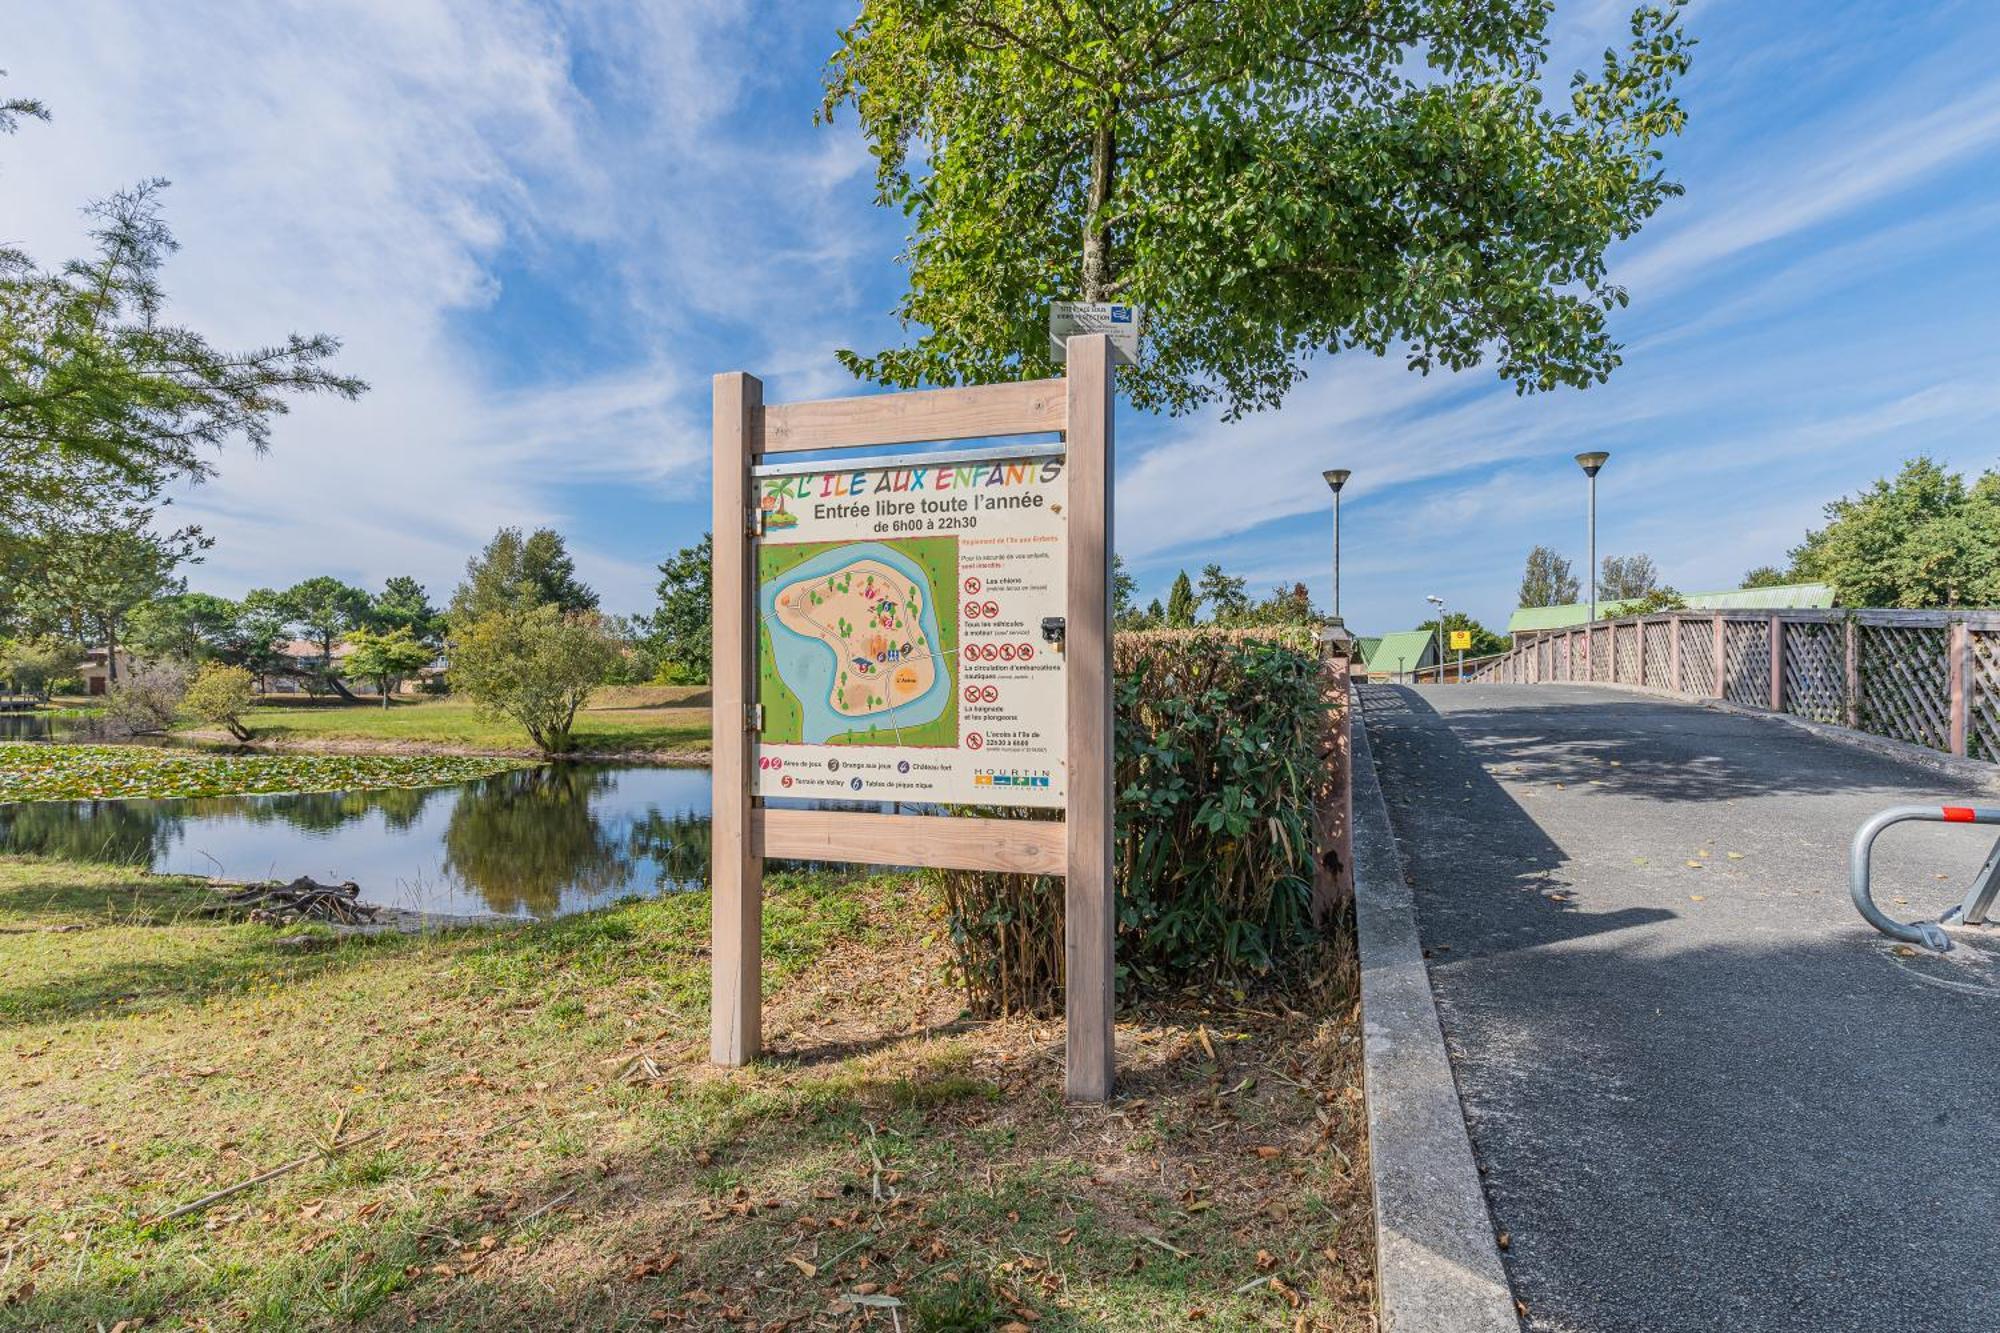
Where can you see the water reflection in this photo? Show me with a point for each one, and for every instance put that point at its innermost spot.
(41, 726)
(533, 842)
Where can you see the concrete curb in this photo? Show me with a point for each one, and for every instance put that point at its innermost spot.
(1437, 1265)
(1975, 773)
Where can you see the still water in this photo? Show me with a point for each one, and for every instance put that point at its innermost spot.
(533, 842)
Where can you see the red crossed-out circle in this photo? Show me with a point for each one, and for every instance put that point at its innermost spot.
(972, 585)
(1027, 652)
(972, 694)
(972, 610)
(974, 741)
(989, 609)
(1006, 652)
(989, 693)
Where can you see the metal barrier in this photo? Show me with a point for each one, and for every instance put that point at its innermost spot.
(1978, 902)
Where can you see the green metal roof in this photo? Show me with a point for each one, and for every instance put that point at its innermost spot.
(1413, 648)
(1365, 648)
(1783, 597)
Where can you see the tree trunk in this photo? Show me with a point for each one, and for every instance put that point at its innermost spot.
(110, 655)
(1097, 274)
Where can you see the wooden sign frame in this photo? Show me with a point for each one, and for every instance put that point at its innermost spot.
(1079, 847)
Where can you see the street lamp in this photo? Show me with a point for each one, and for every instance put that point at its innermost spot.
(1590, 463)
(1438, 602)
(1336, 477)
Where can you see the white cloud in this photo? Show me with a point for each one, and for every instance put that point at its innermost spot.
(372, 170)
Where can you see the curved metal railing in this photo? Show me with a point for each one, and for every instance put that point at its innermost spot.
(1930, 934)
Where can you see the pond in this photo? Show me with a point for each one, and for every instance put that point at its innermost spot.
(532, 842)
(43, 726)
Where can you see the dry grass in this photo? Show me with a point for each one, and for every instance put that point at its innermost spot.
(556, 1153)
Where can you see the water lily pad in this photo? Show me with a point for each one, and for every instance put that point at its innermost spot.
(32, 771)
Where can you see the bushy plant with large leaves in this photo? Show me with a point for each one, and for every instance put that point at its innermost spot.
(1220, 753)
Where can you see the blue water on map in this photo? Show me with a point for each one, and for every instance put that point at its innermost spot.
(809, 666)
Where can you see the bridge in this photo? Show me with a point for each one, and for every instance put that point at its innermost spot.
(1701, 1093)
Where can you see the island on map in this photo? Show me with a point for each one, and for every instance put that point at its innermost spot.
(852, 648)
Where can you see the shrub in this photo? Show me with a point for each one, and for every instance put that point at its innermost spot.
(536, 666)
(1220, 750)
(38, 665)
(220, 696)
(146, 702)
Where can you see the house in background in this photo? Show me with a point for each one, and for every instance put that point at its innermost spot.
(95, 669)
(1399, 656)
(1782, 597)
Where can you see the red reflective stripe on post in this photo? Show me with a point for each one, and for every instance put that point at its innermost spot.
(1958, 814)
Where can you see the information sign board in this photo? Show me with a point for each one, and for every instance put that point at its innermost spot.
(1115, 320)
(1461, 639)
(908, 640)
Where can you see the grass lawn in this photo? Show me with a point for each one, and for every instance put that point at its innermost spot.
(618, 720)
(551, 1151)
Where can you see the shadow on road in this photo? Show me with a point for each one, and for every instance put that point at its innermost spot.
(1662, 749)
(1740, 1113)
(1505, 884)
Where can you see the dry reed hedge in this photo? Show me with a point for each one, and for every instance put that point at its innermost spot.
(1219, 745)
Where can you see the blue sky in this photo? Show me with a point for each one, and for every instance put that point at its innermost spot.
(540, 228)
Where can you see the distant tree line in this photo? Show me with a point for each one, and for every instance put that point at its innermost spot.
(1926, 538)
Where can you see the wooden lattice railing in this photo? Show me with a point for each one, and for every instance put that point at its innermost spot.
(1931, 678)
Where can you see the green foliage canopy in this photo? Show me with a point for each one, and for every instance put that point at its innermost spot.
(1547, 580)
(1268, 178)
(679, 633)
(536, 666)
(515, 572)
(220, 695)
(1925, 539)
(387, 657)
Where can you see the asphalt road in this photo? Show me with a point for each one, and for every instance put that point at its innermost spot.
(1701, 1097)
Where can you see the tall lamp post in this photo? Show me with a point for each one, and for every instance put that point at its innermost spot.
(1590, 463)
(1336, 477)
(1438, 602)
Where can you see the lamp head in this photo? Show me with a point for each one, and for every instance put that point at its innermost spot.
(1435, 601)
(1336, 477)
(1591, 461)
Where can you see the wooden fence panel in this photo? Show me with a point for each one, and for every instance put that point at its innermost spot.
(1816, 672)
(1625, 658)
(1697, 657)
(1659, 654)
(1746, 648)
(1982, 686)
(1905, 689)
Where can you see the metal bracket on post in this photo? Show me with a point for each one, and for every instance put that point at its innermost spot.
(1930, 934)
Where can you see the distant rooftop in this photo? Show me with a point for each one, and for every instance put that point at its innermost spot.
(1783, 597)
(1405, 650)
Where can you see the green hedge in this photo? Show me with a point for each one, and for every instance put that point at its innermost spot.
(1219, 745)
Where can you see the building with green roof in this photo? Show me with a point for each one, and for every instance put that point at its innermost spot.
(1401, 653)
(1783, 597)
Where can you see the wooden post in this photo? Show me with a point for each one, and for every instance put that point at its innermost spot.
(1721, 659)
(1639, 655)
(1777, 665)
(1853, 655)
(1674, 655)
(736, 1005)
(1088, 893)
(1957, 653)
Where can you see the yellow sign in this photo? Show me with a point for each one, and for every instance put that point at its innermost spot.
(1461, 638)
